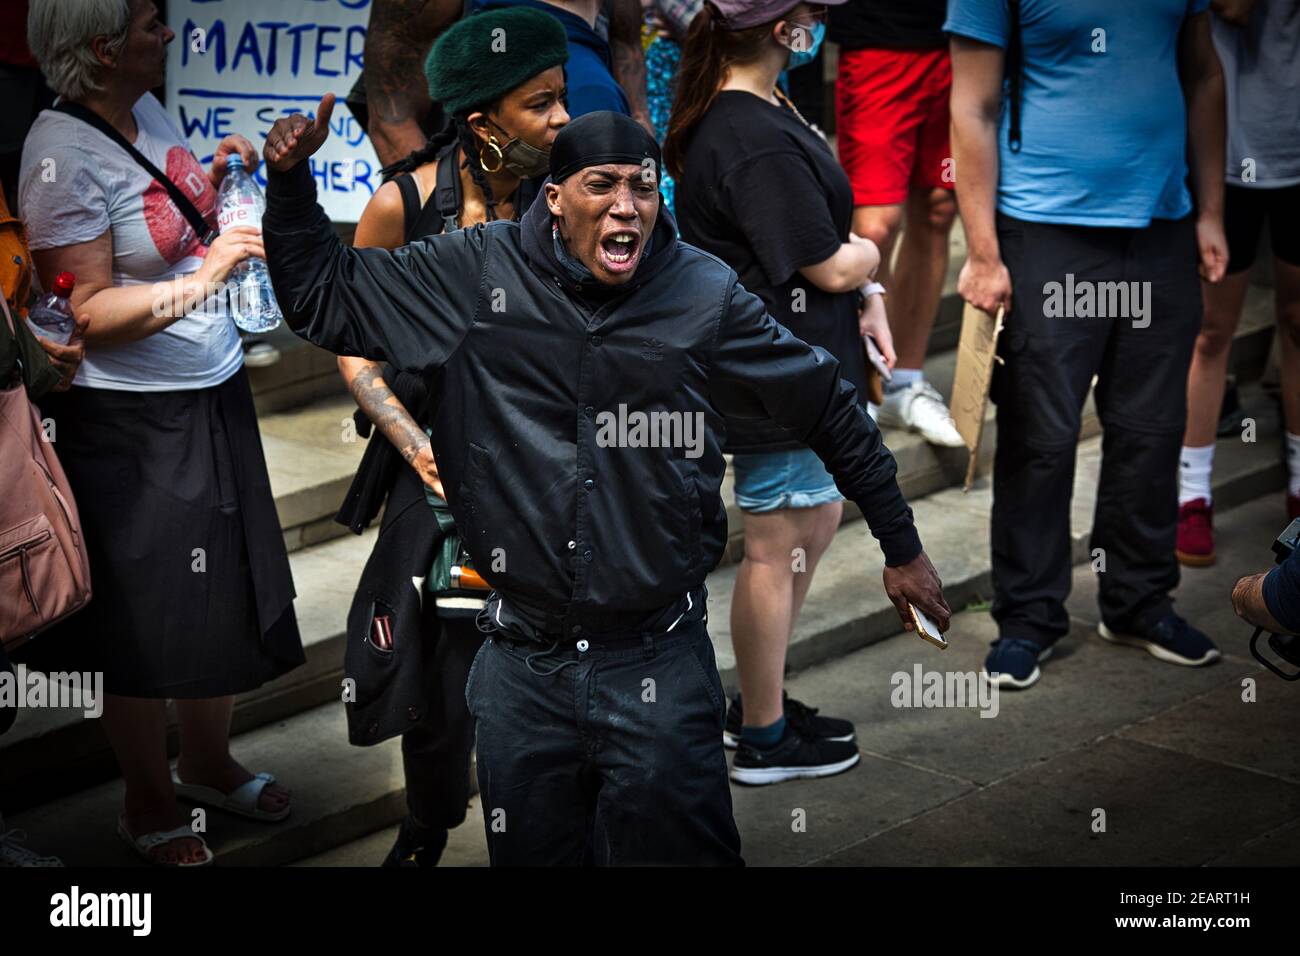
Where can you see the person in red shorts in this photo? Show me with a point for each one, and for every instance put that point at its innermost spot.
(891, 115)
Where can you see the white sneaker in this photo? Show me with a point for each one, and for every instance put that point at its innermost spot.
(920, 408)
(12, 853)
(258, 354)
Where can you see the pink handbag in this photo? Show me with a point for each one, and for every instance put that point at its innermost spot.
(44, 570)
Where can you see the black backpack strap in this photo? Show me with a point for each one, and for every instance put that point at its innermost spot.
(447, 194)
(526, 195)
(1014, 72)
(410, 190)
(183, 202)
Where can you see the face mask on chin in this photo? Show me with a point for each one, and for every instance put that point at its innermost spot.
(801, 57)
(522, 159)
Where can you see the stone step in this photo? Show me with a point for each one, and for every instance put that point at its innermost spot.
(312, 453)
(340, 793)
(465, 845)
(52, 752)
(344, 793)
(303, 374)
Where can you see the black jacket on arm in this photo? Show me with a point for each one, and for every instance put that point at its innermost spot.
(522, 360)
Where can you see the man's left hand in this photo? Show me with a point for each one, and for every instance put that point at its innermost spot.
(917, 583)
(234, 143)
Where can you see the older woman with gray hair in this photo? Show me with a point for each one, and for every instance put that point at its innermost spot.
(193, 598)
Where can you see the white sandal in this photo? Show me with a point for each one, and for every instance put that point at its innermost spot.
(242, 800)
(143, 844)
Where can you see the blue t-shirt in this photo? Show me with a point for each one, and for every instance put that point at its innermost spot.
(1103, 134)
(588, 75)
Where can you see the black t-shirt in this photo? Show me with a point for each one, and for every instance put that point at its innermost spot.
(889, 24)
(764, 193)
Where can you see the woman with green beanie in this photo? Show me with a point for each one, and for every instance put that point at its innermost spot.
(499, 75)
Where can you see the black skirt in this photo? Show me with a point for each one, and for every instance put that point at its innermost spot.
(192, 590)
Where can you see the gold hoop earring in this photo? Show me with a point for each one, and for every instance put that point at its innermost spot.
(492, 145)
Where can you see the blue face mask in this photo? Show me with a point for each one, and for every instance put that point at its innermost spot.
(801, 57)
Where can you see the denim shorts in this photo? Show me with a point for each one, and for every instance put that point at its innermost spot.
(783, 479)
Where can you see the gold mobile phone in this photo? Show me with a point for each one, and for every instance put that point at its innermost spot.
(926, 629)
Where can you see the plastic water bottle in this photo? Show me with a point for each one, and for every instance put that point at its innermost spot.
(52, 316)
(240, 203)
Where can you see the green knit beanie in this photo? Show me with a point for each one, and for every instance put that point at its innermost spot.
(485, 56)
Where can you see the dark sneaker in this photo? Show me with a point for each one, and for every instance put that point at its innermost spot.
(796, 712)
(416, 846)
(795, 756)
(1172, 639)
(1013, 662)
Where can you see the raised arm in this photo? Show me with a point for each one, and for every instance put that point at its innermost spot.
(629, 57)
(760, 370)
(398, 38)
(410, 307)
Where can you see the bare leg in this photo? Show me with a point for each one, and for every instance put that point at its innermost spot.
(1205, 378)
(880, 224)
(137, 730)
(205, 751)
(763, 606)
(919, 273)
(821, 533)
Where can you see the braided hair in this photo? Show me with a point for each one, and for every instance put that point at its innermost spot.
(457, 131)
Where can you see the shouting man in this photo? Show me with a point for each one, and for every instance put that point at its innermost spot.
(597, 696)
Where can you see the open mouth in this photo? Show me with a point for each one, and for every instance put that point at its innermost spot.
(619, 250)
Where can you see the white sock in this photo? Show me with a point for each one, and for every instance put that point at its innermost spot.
(1194, 468)
(903, 377)
(1293, 462)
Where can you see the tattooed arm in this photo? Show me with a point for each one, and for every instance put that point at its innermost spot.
(629, 57)
(366, 383)
(398, 39)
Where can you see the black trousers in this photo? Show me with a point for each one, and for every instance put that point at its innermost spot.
(436, 751)
(606, 755)
(1140, 358)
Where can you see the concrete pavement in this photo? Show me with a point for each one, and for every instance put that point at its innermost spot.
(1185, 771)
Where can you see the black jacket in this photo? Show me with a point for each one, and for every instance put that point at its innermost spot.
(521, 360)
(391, 684)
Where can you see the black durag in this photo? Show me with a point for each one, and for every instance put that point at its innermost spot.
(595, 139)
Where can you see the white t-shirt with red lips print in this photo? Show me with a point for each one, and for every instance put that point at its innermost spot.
(76, 183)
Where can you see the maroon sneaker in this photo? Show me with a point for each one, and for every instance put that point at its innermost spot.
(1195, 545)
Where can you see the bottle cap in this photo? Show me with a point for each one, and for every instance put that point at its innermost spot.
(234, 161)
(63, 284)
